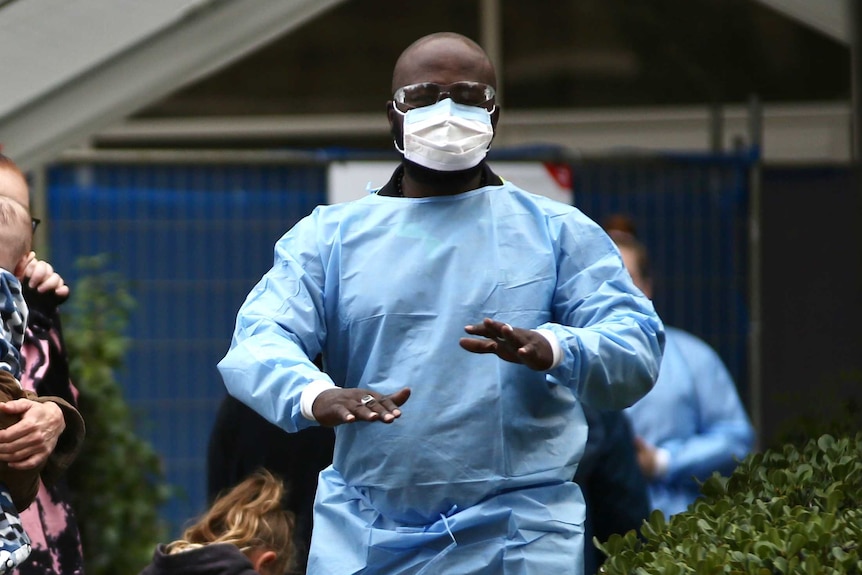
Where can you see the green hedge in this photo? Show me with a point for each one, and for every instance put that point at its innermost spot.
(117, 482)
(787, 510)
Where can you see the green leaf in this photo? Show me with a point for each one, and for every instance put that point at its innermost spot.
(796, 543)
(117, 481)
(781, 511)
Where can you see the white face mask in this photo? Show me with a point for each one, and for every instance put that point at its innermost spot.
(446, 136)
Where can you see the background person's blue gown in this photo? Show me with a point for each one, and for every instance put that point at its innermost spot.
(484, 452)
(694, 412)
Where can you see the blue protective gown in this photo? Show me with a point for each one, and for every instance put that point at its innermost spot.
(694, 412)
(475, 476)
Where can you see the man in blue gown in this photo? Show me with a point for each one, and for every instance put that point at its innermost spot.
(462, 321)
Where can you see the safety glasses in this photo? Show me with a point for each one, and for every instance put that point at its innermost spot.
(428, 93)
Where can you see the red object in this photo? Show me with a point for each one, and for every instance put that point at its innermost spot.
(562, 174)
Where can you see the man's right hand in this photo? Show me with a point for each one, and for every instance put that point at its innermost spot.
(336, 406)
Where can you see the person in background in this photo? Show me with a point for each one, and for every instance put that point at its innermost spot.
(242, 441)
(462, 322)
(50, 432)
(692, 423)
(246, 531)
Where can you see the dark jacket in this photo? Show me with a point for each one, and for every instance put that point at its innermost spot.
(614, 487)
(50, 521)
(215, 559)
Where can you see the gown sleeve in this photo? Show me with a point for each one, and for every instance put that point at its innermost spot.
(611, 337)
(724, 432)
(279, 327)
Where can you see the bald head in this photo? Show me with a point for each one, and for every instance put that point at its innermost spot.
(13, 184)
(15, 234)
(443, 58)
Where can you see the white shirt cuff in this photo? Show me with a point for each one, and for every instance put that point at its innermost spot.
(310, 393)
(555, 346)
(662, 462)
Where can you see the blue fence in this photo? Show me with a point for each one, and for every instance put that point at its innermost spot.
(193, 239)
(691, 213)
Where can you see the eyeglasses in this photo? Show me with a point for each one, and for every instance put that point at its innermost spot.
(35, 223)
(428, 93)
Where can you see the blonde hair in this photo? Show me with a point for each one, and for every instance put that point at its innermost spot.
(16, 233)
(250, 516)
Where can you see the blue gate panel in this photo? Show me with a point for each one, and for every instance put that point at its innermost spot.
(191, 240)
(691, 214)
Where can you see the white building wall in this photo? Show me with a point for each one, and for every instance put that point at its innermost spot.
(791, 132)
(816, 132)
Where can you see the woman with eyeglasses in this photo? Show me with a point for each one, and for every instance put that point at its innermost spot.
(50, 432)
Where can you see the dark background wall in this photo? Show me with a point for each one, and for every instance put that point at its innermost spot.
(812, 297)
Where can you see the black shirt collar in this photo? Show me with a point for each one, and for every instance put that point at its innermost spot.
(392, 189)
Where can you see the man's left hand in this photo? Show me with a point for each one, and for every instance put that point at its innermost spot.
(28, 443)
(513, 344)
